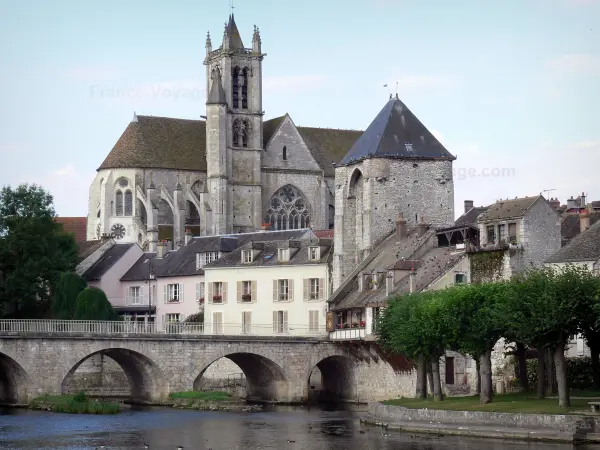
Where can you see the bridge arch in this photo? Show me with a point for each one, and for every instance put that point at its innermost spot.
(266, 381)
(14, 381)
(146, 380)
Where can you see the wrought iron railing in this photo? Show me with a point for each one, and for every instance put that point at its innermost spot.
(73, 327)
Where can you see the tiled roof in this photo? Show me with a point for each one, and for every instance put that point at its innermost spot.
(584, 247)
(268, 256)
(507, 209)
(75, 225)
(434, 264)
(269, 128)
(470, 217)
(328, 234)
(570, 226)
(406, 264)
(108, 259)
(182, 262)
(396, 133)
(160, 142)
(328, 145)
(216, 95)
(86, 248)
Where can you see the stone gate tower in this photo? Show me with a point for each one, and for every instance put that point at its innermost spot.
(234, 140)
(396, 167)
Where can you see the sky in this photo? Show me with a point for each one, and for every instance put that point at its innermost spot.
(510, 87)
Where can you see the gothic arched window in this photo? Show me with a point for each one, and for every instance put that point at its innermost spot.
(119, 203)
(288, 210)
(244, 84)
(128, 203)
(240, 132)
(235, 78)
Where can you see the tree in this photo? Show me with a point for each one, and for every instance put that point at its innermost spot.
(64, 301)
(33, 252)
(92, 304)
(195, 318)
(472, 313)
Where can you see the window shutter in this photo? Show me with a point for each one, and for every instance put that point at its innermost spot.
(321, 288)
(181, 292)
(197, 291)
(164, 318)
(291, 290)
(141, 295)
(224, 292)
(285, 321)
(275, 293)
(165, 292)
(209, 292)
(306, 283)
(253, 290)
(239, 291)
(275, 315)
(182, 317)
(201, 289)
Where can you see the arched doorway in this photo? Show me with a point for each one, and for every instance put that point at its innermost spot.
(117, 372)
(288, 209)
(263, 380)
(14, 381)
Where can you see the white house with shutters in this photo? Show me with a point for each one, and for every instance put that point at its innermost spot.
(267, 287)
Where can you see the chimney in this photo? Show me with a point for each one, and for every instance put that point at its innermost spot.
(584, 221)
(188, 236)
(389, 283)
(421, 228)
(555, 203)
(582, 203)
(468, 205)
(400, 228)
(412, 285)
(105, 237)
(161, 249)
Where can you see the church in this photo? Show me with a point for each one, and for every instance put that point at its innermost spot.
(233, 172)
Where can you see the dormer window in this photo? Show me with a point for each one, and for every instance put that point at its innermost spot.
(283, 255)
(314, 254)
(247, 256)
(205, 258)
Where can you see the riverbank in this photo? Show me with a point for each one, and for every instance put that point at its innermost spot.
(206, 401)
(569, 428)
(74, 404)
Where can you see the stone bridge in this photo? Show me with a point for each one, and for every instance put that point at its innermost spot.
(277, 370)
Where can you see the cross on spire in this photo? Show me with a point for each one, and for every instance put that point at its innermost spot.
(231, 5)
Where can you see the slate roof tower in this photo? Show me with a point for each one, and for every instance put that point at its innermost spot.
(396, 167)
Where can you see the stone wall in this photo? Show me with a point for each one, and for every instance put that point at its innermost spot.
(417, 189)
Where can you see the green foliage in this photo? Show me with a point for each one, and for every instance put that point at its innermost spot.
(33, 252)
(579, 372)
(74, 404)
(69, 287)
(486, 266)
(208, 396)
(195, 318)
(92, 304)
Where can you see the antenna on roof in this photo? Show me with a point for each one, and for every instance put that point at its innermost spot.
(548, 190)
(396, 88)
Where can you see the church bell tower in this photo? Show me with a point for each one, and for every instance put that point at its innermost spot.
(234, 143)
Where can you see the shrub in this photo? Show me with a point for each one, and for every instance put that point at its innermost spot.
(579, 373)
(195, 318)
(69, 287)
(92, 304)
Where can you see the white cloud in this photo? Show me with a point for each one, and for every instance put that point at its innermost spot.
(575, 64)
(285, 83)
(68, 186)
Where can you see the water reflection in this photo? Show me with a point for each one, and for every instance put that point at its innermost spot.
(277, 428)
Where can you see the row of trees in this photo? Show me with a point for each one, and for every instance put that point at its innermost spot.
(539, 309)
(37, 260)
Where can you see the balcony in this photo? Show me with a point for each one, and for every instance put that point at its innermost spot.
(347, 334)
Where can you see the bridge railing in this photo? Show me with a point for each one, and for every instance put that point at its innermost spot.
(66, 327)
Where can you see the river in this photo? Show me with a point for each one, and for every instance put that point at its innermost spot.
(277, 428)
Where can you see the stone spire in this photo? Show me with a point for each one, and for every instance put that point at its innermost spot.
(208, 44)
(231, 36)
(217, 94)
(256, 42)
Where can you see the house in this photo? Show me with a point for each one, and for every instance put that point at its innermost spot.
(270, 286)
(170, 283)
(106, 265)
(513, 235)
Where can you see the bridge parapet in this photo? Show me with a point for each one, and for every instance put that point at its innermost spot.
(89, 328)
